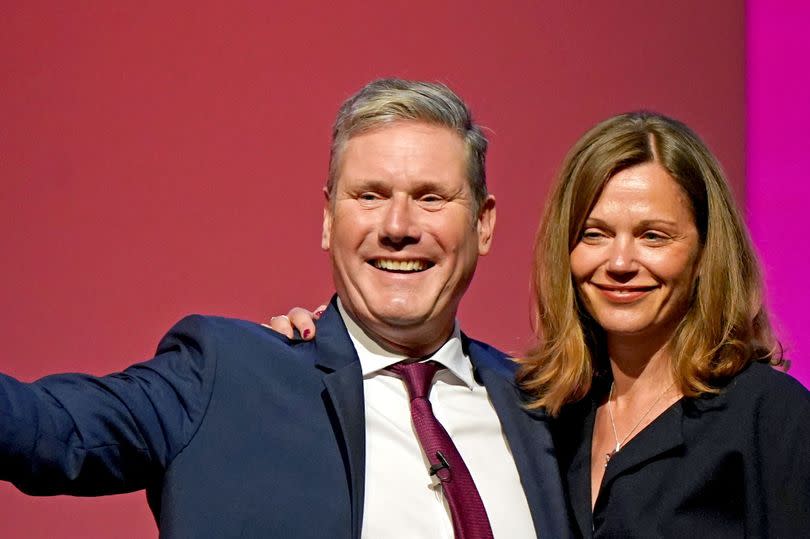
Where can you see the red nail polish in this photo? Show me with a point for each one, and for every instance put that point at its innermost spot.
(306, 333)
(317, 314)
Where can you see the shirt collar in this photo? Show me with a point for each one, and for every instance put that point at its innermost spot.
(374, 358)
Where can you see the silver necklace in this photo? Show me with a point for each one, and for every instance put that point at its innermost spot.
(619, 443)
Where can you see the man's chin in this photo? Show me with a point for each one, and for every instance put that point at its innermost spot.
(396, 315)
(402, 320)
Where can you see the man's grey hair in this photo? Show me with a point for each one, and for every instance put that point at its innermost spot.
(386, 101)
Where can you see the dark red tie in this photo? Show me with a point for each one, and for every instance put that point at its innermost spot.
(470, 519)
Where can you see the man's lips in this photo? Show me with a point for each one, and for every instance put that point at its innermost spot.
(401, 266)
(623, 294)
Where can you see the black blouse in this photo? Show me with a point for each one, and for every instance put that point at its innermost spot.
(735, 464)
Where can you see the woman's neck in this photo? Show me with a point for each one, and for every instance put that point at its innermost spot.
(639, 363)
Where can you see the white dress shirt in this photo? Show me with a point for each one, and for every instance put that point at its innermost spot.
(401, 500)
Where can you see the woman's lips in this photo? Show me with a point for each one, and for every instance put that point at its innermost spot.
(624, 294)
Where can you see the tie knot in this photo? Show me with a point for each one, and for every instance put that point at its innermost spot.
(417, 377)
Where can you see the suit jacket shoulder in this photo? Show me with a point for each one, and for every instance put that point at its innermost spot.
(282, 436)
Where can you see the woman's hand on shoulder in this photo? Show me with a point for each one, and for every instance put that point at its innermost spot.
(298, 318)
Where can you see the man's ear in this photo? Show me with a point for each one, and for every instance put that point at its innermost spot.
(486, 225)
(326, 234)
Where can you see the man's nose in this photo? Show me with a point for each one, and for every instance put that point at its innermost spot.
(400, 224)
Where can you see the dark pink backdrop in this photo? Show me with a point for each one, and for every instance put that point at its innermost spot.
(162, 158)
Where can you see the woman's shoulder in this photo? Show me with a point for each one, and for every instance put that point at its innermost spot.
(764, 379)
(768, 393)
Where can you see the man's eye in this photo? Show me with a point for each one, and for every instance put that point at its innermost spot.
(431, 199)
(368, 196)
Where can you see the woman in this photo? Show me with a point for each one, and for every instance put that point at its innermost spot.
(654, 350)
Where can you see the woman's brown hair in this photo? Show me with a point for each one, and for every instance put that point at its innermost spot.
(725, 327)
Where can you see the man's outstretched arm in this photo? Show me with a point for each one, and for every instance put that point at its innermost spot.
(84, 435)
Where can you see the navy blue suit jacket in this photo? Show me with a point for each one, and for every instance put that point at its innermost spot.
(235, 431)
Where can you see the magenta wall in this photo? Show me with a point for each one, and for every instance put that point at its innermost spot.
(165, 157)
(778, 164)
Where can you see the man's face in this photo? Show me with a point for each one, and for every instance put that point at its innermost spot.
(401, 233)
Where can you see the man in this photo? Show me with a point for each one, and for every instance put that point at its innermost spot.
(234, 430)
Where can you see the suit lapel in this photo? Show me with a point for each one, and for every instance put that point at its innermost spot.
(343, 382)
(529, 439)
(346, 395)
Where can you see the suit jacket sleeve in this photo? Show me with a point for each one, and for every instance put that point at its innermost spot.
(84, 435)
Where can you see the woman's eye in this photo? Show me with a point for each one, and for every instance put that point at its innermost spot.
(591, 234)
(653, 236)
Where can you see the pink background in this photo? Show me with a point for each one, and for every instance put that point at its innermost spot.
(778, 161)
(162, 158)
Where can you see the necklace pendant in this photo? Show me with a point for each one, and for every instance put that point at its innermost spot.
(609, 456)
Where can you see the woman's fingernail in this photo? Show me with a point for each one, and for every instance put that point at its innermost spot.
(306, 333)
(317, 314)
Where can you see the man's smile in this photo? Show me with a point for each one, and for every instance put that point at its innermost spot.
(400, 266)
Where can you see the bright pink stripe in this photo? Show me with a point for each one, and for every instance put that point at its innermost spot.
(778, 162)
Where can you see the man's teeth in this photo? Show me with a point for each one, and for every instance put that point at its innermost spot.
(400, 265)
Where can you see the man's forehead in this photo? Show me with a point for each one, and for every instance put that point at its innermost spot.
(415, 168)
(403, 140)
(416, 155)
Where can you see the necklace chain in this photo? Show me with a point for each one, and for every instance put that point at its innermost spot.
(620, 443)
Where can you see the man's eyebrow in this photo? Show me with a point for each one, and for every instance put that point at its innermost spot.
(425, 186)
(419, 186)
(370, 184)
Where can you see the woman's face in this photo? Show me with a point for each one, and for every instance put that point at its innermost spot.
(636, 260)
